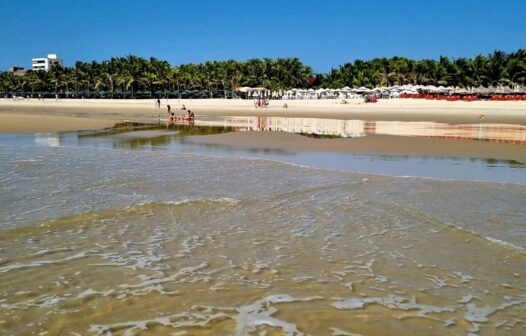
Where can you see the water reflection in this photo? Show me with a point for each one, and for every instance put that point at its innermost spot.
(47, 139)
(177, 139)
(513, 134)
(332, 128)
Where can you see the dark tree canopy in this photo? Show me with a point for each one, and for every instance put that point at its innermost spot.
(132, 76)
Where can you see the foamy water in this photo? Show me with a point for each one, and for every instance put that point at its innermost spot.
(118, 242)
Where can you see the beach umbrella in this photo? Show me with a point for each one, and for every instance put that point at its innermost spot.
(429, 88)
(245, 89)
(362, 89)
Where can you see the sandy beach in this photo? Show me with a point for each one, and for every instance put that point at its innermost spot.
(391, 109)
(14, 122)
(67, 115)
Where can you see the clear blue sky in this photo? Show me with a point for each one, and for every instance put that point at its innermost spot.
(322, 34)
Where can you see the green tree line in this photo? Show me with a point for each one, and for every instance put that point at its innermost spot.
(132, 76)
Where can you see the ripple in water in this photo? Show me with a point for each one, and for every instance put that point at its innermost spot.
(241, 247)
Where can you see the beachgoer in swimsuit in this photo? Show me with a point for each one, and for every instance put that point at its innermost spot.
(171, 120)
(190, 115)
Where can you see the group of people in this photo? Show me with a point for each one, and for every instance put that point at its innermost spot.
(261, 102)
(187, 116)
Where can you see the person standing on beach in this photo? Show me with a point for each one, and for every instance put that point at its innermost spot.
(158, 104)
(169, 108)
(171, 120)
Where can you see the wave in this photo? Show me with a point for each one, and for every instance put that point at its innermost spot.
(186, 201)
(499, 242)
(46, 223)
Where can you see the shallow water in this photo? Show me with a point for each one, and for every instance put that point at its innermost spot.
(158, 138)
(98, 241)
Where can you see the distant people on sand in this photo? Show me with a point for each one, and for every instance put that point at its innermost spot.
(285, 105)
(183, 108)
(169, 108)
(171, 120)
(158, 103)
(261, 102)
(189, 115)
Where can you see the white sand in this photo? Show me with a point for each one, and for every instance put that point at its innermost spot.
(389, 109)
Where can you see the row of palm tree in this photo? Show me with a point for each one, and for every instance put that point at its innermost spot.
(133, 76)
(496, 69)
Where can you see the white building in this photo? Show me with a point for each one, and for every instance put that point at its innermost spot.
(46, 63)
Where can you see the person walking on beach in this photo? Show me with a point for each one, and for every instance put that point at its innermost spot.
(158, 103)
(169, 108)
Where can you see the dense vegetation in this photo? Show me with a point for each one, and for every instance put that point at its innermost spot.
(132, 76)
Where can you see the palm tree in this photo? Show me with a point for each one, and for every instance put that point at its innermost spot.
(126, 80)
(174, 77)
(149, 79)
(495, 71)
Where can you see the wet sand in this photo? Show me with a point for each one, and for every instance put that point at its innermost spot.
(109, 245)
(389, 109)
(31, 123)
(371, 144)
(226, 246)
(68, 115)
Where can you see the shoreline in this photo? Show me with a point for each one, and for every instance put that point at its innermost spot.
(30, 116)
(386, 109)
(370, 144)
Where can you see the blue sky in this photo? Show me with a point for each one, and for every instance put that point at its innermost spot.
(322, 34)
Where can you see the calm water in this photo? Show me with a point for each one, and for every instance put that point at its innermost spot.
(100, 239)
(155, 138)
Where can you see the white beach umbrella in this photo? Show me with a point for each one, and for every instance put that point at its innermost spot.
(460, 90)
(362, 89)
